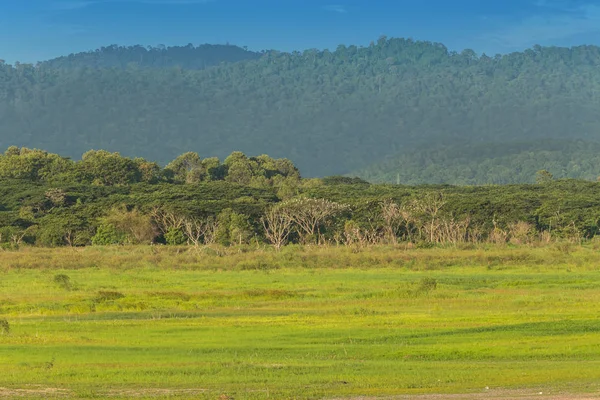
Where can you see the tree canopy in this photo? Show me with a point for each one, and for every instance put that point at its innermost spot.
(106, 198)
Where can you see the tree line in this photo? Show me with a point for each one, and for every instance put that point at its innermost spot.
(100, 167)
(108, 199)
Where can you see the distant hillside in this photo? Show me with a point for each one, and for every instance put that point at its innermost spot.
(490, 163)
(189, 57)
(331, 112)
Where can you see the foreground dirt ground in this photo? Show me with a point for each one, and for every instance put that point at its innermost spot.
(498, 394)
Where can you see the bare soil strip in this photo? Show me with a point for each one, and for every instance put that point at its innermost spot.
(192, 393)
(41, 392)
(524, 394)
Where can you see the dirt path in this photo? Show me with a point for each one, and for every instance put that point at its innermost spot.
(490, 394)
(41, 392)
(34, 392)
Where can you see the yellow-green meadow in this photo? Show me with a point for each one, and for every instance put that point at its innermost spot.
(303, 323)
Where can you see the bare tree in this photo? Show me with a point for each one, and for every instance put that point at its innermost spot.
(520, 232)
(200, 231)
(166, 221)
(310, 214)
(497, 235)
(69, 237)
(453, 231)
(430, 206)
(17, 237)
(392, 220)
(410, 221)
(210, 234)
(354, 234)
(277, 223)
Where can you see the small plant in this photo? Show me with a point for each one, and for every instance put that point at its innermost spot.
(427, 285)
(4, 327)
(256, 266)
(108, 296)
(49, 364)
(180, 296)
(564, 247)
(63, 281)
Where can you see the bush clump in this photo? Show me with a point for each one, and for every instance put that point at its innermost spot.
(4, 327)
(427, 285)
(63, 281)
(108, 296)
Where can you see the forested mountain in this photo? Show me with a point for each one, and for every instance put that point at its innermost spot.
(489, 163)
(189, 57)
(331, 112)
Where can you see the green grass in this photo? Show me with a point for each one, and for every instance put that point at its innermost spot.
(303, 323)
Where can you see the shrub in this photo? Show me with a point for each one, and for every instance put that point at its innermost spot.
(256, 266)
(427, 285)
(174, 237)
(4, 327)
(63, 281)
(133, 224)
(107, 235)
(51, 236)
(108, 296)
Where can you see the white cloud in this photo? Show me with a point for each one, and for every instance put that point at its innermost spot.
(169, 2)
(72, 5)
(340, 9)
(555, 20)
(77, 4)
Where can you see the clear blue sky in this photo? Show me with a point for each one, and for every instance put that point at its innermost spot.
(33, 30)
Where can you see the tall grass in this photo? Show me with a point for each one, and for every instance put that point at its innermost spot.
(297, 256)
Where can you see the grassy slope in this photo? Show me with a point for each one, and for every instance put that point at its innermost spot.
(305, 323)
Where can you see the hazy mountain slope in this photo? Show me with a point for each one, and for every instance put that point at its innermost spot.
(330, 112)
(189, 57)
(490, 163)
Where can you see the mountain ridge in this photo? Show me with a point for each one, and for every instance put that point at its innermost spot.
(331, 112)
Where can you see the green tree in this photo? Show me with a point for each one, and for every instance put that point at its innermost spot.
(32, 164)
(149, 172)
(233, 228)
(108, 169)
(239, 168)
(543, 176)
(187, 168)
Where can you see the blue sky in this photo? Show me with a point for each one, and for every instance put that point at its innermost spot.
(33, 30)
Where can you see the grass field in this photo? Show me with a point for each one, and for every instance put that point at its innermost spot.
(303, 323)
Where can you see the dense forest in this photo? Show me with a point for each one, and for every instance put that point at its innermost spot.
(491, 163)
(396, 108)
(188, 57)
(106, 199)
